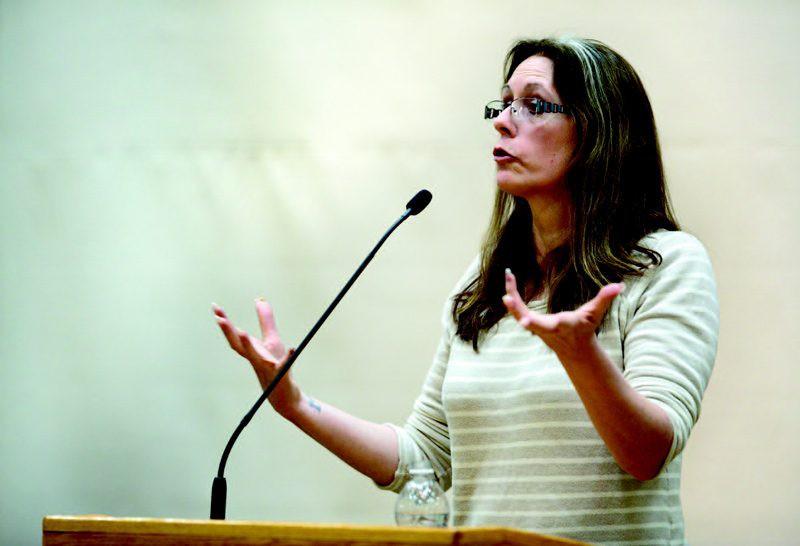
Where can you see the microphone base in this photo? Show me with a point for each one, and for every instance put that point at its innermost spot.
(219, 494)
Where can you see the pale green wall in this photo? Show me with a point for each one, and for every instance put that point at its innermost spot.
(158, 156)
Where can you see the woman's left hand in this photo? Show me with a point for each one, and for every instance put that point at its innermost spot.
(568, 333)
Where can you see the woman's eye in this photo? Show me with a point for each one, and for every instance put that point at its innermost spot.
(532, 106)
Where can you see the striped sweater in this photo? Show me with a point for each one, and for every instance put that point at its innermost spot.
(506, 428)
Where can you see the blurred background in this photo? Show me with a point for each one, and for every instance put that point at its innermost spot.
(158, 156)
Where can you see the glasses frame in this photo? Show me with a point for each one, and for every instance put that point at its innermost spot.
(492, 108)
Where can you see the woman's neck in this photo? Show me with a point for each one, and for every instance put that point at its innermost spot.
(551, 221)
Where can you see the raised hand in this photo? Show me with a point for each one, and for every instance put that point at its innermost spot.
(568, 333)
(266, 355)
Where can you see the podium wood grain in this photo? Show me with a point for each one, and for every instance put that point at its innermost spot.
(105, 530)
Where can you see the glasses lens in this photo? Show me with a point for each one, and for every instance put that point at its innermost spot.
(526, 108)
(493, 109)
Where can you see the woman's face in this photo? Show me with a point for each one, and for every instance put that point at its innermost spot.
(539, 150)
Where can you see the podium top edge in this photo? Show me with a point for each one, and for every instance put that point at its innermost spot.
(98, 523)
(238, 528)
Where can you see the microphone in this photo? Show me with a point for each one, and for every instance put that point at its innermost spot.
(418, 203)
(219, 488)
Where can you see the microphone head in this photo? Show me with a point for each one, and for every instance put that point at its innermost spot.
(419, 202)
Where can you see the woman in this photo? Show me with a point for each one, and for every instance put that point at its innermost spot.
(576, 348)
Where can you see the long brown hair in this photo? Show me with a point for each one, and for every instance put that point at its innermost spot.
(615, 182)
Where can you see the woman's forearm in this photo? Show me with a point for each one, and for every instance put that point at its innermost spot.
(370, 448)
(637, 432)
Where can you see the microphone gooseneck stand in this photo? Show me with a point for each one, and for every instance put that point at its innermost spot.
(219, 488)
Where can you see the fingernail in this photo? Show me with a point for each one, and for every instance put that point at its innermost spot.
(508, 271)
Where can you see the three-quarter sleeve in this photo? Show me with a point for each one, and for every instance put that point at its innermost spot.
(670, 337)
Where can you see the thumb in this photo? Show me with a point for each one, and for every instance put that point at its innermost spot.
(288, 356)
(597, 307)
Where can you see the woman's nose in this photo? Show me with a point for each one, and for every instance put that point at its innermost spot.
(503, 123)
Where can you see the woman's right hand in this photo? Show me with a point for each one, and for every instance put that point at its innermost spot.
(267, 355)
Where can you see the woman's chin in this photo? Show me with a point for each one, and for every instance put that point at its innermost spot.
(522, 188)
(509, 185)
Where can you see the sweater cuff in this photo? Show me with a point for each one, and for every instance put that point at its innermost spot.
(406, 453)
(674, 449)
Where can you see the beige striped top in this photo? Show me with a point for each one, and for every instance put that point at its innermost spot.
(506, 428)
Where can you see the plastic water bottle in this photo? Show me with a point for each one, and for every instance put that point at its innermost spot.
(422, 502)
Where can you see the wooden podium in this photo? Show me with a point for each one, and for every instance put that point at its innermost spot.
(105, 530)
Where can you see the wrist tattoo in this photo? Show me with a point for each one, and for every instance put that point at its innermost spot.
(313, 404)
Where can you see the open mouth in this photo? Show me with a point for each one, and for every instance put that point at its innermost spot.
(500, 154)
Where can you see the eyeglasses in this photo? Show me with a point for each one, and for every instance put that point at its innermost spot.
(523, 109)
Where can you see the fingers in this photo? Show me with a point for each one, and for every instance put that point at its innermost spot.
(254, 349)
(512, 299)
(270, 350)
(513, 302)
(263, 373)
(266, 319)
(228, 330)
(250, 352)
(597, 307)
(218, 310)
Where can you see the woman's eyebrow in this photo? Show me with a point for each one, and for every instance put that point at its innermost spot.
(528, 88)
